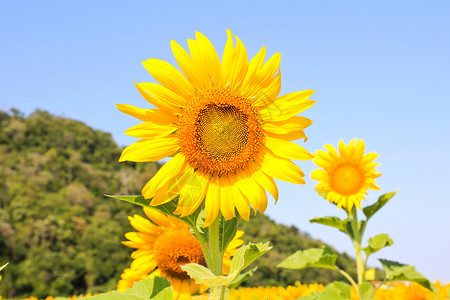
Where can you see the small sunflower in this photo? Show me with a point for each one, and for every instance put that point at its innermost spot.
(225, 126)
(346, 176)
(163, 244)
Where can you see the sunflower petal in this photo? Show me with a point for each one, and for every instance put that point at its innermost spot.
(161, 97)
(167, 171)
(234, 61)
(150, 150)
(287, 106)
(151, 130)
(169, 76)
(281, 168)
(212, 203)
(152, 115)
(287, 149)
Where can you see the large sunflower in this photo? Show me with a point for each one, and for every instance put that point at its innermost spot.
(346, 176)
(224, 125)
(163, 244)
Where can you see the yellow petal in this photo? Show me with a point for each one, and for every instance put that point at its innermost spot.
(150, 150)
(240, 202)
(255, 65)
(268, 95)
(264, 76)
(234, 62)
(291, 136)
(287, 106)
(192, 194)
(151, 130)
(226, 201)
(172, 187)
(153, 115)
(267, 183)
(281, 168)
(287, 149)
(169, 76)
(198, 79)
(253, 192)
(212, 203)
(161, 97)
(157, 217)
(203, 51)
(166, 172)
(289, 126)
(143, 225)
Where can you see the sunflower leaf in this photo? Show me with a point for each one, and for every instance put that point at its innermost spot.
(155, 288)
(366, 291)
(228, 230)
(167, 208)
(315, 257)
(369, 211)
(332, 222)
(397, 271)
(202, 275)
(377, 243)
(241, 278)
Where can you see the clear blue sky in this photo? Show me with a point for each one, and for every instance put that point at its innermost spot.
(381, 71)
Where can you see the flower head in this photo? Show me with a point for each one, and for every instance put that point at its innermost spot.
(346, 176)
(225, 126)
(164, 243)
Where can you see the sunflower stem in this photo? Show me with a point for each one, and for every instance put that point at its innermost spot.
(217, 258)
(204, 247)
(357, 245)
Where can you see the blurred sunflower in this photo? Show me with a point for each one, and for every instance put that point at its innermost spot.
(346, 176)
(224, 125)
(163, 244)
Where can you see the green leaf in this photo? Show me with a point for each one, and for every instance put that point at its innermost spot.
(369, 211)
(332, 222)
(155, 288)
(309, 258)
(398, 271)
(377, 243)
(241, 278)
(334, 291)
(254, 251)
(2, 267)
(167, 208)
(244, 256)
(227, 230)
(366, 291)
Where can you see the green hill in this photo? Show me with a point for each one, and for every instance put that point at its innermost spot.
(59, 233)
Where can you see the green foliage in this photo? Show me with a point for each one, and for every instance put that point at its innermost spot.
(287, 240)
(60, 235)
(310, 258)
(244, 256)
(398, 271)
(377, 243)
(369, 211)
(155, 288)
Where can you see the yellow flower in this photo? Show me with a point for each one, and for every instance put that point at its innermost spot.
(162, 246)
(225, 126)
(346, 175)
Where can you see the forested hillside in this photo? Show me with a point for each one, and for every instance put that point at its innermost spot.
(62, 236)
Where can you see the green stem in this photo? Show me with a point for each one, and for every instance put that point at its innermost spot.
(349, 278)
(204, 247)
(357, 244)
(217, 293)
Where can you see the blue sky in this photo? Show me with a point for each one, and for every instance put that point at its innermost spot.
(381, 71)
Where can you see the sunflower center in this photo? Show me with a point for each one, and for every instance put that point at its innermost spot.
(220, 132)
(177, 247)
(347, 179)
